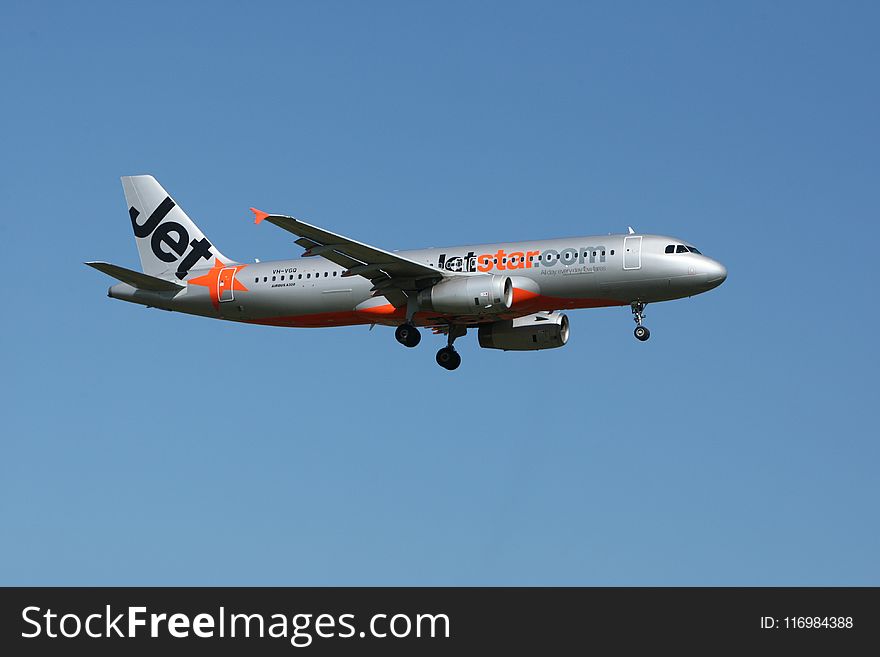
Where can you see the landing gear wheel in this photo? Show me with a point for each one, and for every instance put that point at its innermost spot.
(638, 311)
(408, 335)
(448, 358)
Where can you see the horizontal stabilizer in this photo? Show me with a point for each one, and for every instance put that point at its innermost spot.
(136, 278)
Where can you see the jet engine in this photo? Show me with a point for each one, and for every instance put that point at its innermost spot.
(484, 294)
(544, 330)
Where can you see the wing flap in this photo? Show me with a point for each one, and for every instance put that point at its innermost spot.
(305, 243)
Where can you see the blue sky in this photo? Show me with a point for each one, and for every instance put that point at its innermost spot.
(737, 447)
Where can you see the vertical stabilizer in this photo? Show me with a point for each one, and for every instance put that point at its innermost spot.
(169, 243)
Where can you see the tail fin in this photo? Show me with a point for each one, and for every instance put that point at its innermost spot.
(168, 241)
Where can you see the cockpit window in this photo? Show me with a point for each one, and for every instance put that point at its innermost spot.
(681, 248)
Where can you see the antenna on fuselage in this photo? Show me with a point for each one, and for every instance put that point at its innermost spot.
(630, 229)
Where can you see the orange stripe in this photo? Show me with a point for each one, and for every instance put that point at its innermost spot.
(385, 309)
(520, 295)
(388, 314)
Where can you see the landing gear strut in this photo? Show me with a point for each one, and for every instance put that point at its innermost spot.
(638, 310)
(448, 358)
(408, 335)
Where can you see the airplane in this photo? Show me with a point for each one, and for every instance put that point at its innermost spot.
(512, 293)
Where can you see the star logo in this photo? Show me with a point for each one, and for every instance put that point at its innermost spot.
(221, 282)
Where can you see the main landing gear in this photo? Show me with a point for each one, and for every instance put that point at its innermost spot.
(638, 310)
(408, 335)
(448, 358)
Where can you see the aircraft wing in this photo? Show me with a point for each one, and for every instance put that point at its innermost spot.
(392, 275)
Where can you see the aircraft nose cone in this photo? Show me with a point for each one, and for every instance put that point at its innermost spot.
(717, 273)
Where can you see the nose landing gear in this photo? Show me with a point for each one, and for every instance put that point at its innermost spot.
(638, 310)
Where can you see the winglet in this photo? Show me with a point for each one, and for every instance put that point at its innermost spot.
(259, 215)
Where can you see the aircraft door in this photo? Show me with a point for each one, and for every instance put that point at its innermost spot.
(225, 284)
(632, 252)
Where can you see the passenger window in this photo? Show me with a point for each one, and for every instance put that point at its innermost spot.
(603, 253)
(670, 248)
(334, 273)
(257, 279)
(282, 277)
(299, 276)
(265, 279)
(273, 279)
(326, 274)
(612, 251)
(680, 249)
(308, 275)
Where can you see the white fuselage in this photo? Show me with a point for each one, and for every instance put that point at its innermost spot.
(556, 274)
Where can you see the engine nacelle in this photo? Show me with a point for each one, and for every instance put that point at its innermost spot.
(544, 330)
(484, 294)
